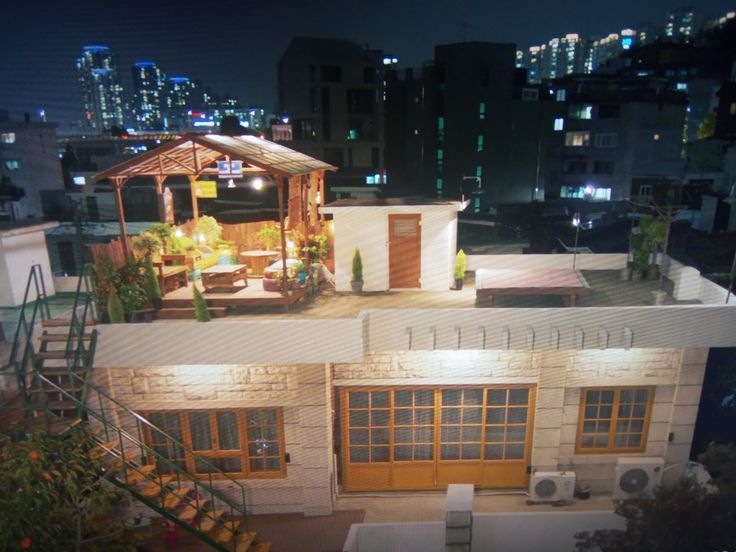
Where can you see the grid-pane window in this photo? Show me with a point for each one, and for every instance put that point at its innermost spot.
(243, 443)
(369, 434)
(614, 420)
(507, 418)
(413, 419)
(461, 422)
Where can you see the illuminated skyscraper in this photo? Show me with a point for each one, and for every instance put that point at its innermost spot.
(148, 90)
(682, 24)
(102, 93)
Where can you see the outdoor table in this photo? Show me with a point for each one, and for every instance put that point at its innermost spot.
(258, 260)
(223, 277)
(491, 282)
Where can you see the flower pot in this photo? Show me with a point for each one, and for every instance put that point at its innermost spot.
(357, 287)
(458, 283)
(302, 277)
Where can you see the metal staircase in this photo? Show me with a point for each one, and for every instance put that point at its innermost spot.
(53, 377)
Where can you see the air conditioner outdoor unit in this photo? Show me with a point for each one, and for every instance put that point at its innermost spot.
(637, 477)
(551, 487)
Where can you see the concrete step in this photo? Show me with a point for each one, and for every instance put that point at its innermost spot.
(187, 313)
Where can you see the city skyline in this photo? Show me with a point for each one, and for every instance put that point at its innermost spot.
(234, 49)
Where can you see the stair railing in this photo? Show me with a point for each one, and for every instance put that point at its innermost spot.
(132, 449)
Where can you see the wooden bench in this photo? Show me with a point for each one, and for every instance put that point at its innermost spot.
(172, 272)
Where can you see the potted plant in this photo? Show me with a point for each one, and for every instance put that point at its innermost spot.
(640, 252)
(201, 312)
(460, 264)
(357, 282)
(300, 272)
(653, 230)
(269, 237)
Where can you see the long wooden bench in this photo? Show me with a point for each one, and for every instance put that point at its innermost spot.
(172, 272)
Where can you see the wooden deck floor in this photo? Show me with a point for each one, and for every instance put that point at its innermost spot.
(250, 295)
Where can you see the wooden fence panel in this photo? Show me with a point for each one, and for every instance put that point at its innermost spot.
(113, 250)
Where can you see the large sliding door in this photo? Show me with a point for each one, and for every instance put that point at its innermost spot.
(428, 437)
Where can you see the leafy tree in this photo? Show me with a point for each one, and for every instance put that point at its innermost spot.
(707, 128)
(684, 516)
(52, 497)
(201, 312)
(147, 243)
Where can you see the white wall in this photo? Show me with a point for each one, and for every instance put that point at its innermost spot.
(367, 229)
(583, 261)
(19, 250)
(500, 532)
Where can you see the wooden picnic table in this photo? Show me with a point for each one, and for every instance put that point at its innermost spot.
(224, 277)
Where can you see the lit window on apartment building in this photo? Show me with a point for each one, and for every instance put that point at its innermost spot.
(7, 138)
(732, 109)
(478, 173)
(440, 129)
(577, 139)
(440, 186)
(482, 110)
(559, 123)
(560, 96)
(480, 142)
(11, 164)
(607, 140)
(440, 159)
(352, 134)
(614, 419)
(530, 94)
(681, 86)
(581, 111)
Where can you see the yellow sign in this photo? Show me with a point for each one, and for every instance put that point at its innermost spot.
(205, 188)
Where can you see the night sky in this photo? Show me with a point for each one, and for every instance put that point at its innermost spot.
(234, 46)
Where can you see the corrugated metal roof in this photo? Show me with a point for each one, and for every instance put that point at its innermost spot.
(193, 152)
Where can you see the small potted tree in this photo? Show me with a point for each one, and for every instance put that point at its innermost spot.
(269, 237)
(357, 282)
(460, 264)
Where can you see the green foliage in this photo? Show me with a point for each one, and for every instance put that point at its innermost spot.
(115, 311)
(147, 243)
(318, 247)
(649, 236)
(52, 498)
(153, 289)
(681, 516)
(163, 230)
(357, 266)
(105, 278)
(460, 265)
(207, 226)
(269, 236)
(200, 306)
(707, 128)
(298, 267)
(640, 252)
(132, 286)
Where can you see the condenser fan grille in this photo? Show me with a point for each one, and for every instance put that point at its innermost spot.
(545, 488)
(634, 480)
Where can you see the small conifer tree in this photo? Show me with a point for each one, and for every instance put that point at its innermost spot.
(115, 308)
(152, 286)
(357, 266)
(201, 312)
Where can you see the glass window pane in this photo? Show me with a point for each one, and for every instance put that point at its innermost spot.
(624, 411)
(403, 398)
(639, 411)
(227, 430)
(402, 452)
(519, 396)
(359, 437)
(268, 417)
(516, 433)
(450, 452)
(472, 415)
(591, 411)
(379, 399)
(359, 418)
(642, 395)
(379, 417)
(593, 397)
(497, 397)
(450, 415)
(379, 436)
(514, 452)
(358, 454)
(473, 396)
(600, 441)
(470, 452)
(587, 441)
(493, 452)
(605, 412)
(424, 416)
(424, 434)
(495, 434)
(620, 441)
(204, 466)
(450, 435)
(589, 427)
(622, 426)
(257, 464)
(496, 416)
(272, 464)
(231, 465)
(403, 416)
(379, 454)
(423, 452)
(604, 427)
(451, 396)
(471, 434)
(199, 429)
(157, 419)
(358, 399)
(634, 440)
(172, 421)
(424, 398)
(517, 415)
(607, 397)
(627, 396)
(636, 426)
(402, 435)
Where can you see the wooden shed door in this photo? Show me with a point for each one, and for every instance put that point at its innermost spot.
(404, 251)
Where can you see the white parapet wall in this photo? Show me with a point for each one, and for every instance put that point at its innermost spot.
(583, 261)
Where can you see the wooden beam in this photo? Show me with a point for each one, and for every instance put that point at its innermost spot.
(280, 183)
(195, 204)
(117, 184)
(159, 179)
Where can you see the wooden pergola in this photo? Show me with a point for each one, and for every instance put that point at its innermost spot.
(196, 155)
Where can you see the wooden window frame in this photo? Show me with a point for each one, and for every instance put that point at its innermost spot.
(242, 453)
(611, 448)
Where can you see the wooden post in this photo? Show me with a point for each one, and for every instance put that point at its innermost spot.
(159, 179)
(280, 183)
(195, 205)
(117, 184)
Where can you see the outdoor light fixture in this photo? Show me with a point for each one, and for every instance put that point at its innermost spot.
(231, 183)
(257, 183)
(178, 233)
(576, 224)
(589, 190)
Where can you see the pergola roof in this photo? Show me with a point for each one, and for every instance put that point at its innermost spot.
(193, 153)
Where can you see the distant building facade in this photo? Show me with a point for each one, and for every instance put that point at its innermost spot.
(102, 93)
(682, 24)
(148, 95)
(331, 92)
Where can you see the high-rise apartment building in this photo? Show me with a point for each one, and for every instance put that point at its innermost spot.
(332, 92)
(102, 93)
(559, 57)
(682, 24)
(148, 95)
